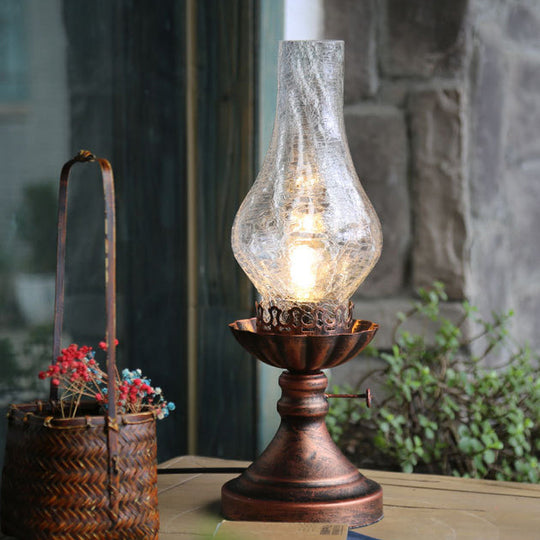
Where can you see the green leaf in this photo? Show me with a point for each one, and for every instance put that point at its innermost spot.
(380, 442)
(489, 456)
(476, 445)
(465, 445)
(408, 444)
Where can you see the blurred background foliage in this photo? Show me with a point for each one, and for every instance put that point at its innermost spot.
(441, 408)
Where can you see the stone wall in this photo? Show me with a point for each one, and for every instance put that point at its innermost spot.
(504, 166)
(442, 110)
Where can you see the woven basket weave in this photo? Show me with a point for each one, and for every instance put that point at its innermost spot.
(89, 477)
(55, 480)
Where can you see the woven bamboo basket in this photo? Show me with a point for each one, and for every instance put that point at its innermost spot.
(89, 477)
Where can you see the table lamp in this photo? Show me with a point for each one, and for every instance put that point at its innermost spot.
(306, 235)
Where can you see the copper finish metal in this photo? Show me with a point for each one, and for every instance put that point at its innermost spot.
(303, 353)
(367, 396)
(304, 319)
(302, 475)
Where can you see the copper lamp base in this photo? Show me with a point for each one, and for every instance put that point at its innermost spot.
(302, 476)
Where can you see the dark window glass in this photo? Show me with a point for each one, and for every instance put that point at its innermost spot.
(111, 77)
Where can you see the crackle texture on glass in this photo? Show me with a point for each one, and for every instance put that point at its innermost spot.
(306, 233)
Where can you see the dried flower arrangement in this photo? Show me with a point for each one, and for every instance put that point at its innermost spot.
(79, 376)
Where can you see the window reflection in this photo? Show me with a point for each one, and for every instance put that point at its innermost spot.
(33, 142)
(110, 77)
(111, 83)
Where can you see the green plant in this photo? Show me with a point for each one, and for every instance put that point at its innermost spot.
(446, 411)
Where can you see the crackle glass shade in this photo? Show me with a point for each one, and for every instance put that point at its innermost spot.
(306, 233)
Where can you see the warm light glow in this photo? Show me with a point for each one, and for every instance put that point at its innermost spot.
(304, 252)
(303, 262)
(308, 223)
(305, 181)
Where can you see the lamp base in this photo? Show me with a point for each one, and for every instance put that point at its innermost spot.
(302, 476)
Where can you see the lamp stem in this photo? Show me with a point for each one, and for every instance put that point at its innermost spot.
(302, 475)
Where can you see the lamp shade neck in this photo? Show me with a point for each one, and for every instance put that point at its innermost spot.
(310, 92)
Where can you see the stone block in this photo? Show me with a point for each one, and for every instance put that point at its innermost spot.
(523, 256)
(378, 142)
(423, 38)
(523, 137)
(439, 189)
(525, 233)
(525, 323)
(487, 120)
(523, 24)
(383, 311)
(522, 195)
(491, 280)
(497, 275)
(395, 91)
(505, 114)
(354, 21)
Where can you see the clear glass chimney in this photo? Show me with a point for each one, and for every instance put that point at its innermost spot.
(306, 234)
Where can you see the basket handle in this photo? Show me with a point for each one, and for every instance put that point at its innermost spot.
(85, 156)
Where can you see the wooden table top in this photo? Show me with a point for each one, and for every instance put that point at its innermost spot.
(415, 506)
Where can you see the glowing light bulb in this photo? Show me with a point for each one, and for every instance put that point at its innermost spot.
(306, 234)
(308, 223)
(303, 262)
